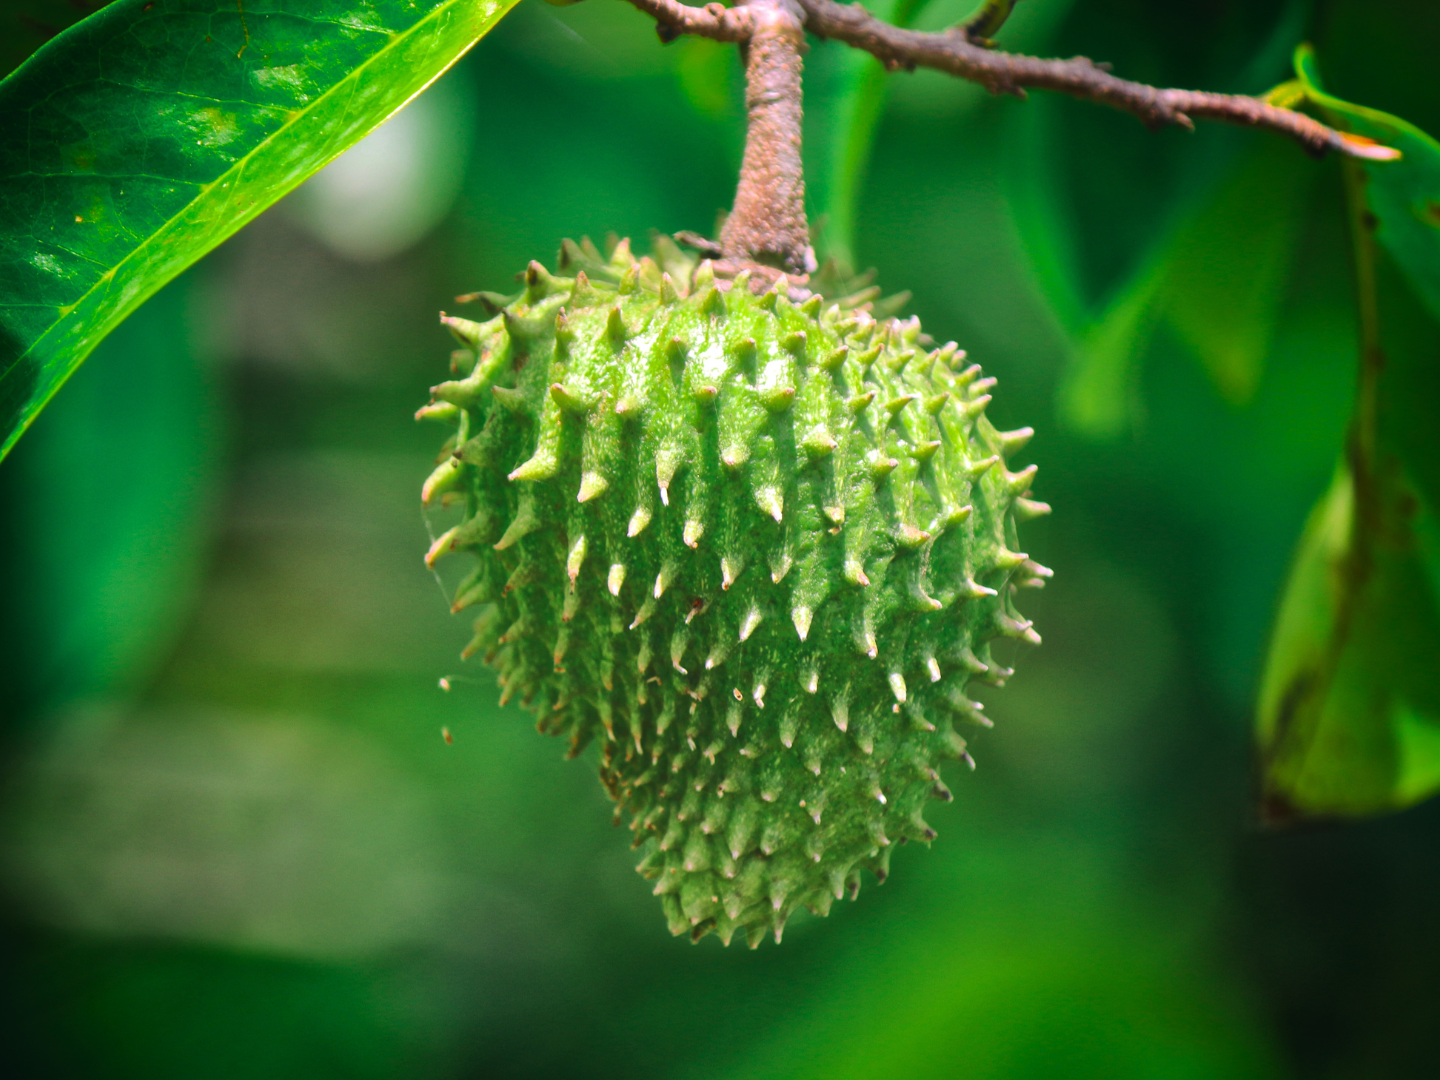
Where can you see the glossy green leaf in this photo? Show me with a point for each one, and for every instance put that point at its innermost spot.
(145, 135)
(1404, 195)
(1349, 720)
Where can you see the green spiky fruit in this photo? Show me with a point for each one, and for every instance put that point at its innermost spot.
(751, 546)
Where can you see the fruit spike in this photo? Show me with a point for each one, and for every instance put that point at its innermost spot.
(832, 549)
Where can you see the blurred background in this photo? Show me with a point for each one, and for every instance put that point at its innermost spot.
(233, 842)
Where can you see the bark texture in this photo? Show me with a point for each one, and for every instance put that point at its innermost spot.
(768, 225)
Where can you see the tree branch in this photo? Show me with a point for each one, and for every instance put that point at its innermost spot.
(953, 52)
(673, 18)
(768, 225)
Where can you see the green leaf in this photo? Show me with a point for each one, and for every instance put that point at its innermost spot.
(1349, 712)
(1234, 258)
(1404, 194)
(1217, 239)
(1232, 254)
(1098, 395)
(146, 134)
(1349, 720)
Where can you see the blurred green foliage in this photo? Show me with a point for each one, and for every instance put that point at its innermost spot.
(236, 845)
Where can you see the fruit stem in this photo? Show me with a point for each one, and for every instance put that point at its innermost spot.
(767, 225)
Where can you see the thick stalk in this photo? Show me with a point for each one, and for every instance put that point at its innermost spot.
(768, 224)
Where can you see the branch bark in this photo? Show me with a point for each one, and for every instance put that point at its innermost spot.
(713, 20)
(954, 52)
(768, 225)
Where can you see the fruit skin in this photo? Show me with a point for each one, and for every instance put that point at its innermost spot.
(755, 548)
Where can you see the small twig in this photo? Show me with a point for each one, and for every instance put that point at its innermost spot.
(953, 52)
(709, 248)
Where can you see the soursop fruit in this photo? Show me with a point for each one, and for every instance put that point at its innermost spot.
(751, 541)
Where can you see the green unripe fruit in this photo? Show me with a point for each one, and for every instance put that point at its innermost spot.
(755, 548)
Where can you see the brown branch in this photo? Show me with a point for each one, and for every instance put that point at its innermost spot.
(713, 20)
(768, 225)
(953, 52)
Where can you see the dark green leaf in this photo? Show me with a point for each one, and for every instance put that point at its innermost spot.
(145, 135)
(1232, 255)
(1404, 194)
(1227, 268)
(1148, 248)
(1349, 714)
(1099, 396)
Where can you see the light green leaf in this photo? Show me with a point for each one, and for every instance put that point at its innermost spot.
(1349, 720)
(1098, 395)
(1404, 195)
(1349, 713)
(146, 134)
